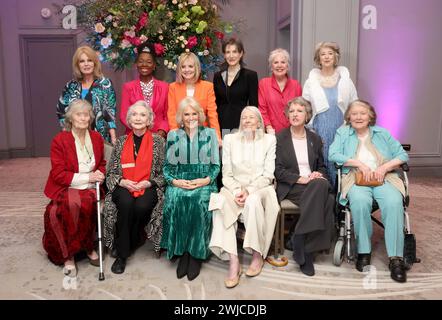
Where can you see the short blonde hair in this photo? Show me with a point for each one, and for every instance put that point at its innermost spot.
(303, 103)
(183, 57)
(194, 104)
(260, 129)
(73, 107)
(150, 114)
(371, 111)
(279, 51)
(329, 45)
(91, 54)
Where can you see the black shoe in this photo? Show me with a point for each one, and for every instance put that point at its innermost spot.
(363, 261)
(183, 265)
(298, 248)
(398, 271)
(194, 268)
(308, 268)
(114, 253)
(119, 265)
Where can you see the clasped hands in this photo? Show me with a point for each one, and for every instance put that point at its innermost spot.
(312, 176)
(191, 184)
(368, 174)
(133, 186)
(241, 197)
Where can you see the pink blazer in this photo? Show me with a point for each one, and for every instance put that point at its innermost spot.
(132, 93)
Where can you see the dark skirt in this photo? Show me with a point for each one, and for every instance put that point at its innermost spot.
(70, 222)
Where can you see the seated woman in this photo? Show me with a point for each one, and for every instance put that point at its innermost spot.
(248, 195)
(362, 146)
(77, 164)
(301, 178)
(190, 170)
(135, 182)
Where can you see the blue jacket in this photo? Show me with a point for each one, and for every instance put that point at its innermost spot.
(346, 142)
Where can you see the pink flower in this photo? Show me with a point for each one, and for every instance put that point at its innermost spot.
(142, 21)
(135, 41)
(192, 41)
(219, 35)
(159, 49)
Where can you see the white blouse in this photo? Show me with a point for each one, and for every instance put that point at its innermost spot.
(301, 151)
(86, 163)
(365, 156)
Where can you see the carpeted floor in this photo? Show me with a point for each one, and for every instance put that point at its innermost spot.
(26, 273)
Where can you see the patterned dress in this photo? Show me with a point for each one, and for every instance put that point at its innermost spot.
(187, 222)
(102, 97)
(115, 173)
(325, 124)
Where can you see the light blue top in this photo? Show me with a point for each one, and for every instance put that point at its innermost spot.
(84, 93)
(345, 145)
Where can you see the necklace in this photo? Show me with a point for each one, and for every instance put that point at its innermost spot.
(328, 81)
(299, 137)
(147, 89)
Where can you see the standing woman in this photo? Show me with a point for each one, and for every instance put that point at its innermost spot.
(90, 84)
(274, 92)
(330, 91)
(190, 170)
(235, 86)
(77, 163)
(135, 182)
(146, 88)
(301, 178)
(189, 84)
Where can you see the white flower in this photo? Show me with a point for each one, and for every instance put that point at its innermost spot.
(106, 42)
(180, 6)
(184, 27)
(206, 52)
(99, 28)
(174, 1)
(176, 41)
(185, 41)
(183, 45)
(187, 24)
(108, 18)
(115, 24)
(160, 31)
(166, 62)
(193, 2)
(200, 53)
(170, 65)
(181, 38)
(161, 37)
(187, 50)
(143, 38)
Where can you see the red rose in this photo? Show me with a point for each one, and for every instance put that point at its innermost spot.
(192, 41)
(219, 35)
(142, 21)
(159, 49)
(208, 42)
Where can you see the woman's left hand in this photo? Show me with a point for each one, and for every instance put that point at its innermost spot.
(379, 173)
(316, 175)
(200, 182)
(143, 184)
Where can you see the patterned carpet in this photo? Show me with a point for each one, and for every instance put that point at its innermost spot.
(26, 273)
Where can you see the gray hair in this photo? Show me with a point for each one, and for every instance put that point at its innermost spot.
(260, 129)
(74, 106)
(194, 104)
(150, 115)
(303, 103)
(279, 51)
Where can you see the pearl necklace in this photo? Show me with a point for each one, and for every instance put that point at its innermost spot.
(328, 81)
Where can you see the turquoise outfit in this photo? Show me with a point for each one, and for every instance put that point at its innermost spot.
(389, 199)
(187, 222)
(325, 124)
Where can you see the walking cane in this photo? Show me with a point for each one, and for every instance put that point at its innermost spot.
(100, 247)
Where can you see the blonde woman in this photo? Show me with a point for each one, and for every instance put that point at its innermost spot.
(90, 84)
(189, 84)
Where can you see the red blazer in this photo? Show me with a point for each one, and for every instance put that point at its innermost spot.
(64, 162)
(204, 94)
(132, 93)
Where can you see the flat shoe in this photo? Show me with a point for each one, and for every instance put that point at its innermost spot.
(251, 272)
(70, 271)
(231, 283)
(95, 262)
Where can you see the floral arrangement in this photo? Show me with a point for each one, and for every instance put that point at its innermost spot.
(116, 27)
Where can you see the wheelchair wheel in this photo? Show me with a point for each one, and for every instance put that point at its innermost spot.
(339, 252)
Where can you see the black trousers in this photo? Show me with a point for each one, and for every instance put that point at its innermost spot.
(316, 203)
(133, 215)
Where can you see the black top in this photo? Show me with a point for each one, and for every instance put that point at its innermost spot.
(231, 100)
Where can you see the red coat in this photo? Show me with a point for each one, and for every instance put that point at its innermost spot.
(64, 161)
(272, 101)
(132, 93)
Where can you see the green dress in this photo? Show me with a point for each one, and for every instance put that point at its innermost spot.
(187, 222)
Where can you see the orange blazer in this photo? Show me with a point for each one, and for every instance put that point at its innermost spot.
(204, 94)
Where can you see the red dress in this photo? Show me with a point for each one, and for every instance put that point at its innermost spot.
(70, 217)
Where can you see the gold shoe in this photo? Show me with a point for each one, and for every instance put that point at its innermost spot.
(251, 272)
(231, 283)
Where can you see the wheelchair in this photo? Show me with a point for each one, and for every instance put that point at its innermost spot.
(345, 246)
